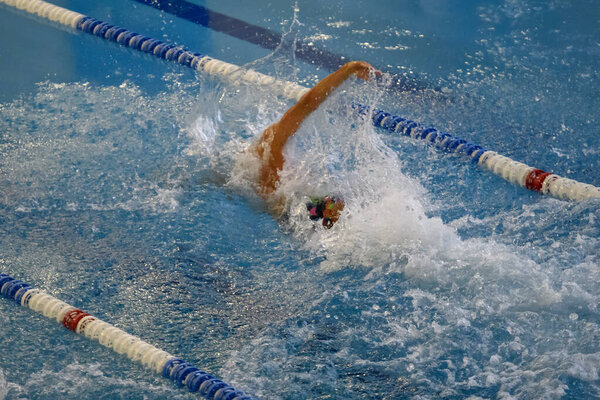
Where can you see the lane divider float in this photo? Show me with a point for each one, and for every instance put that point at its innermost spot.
(134, 348)
(513, 171)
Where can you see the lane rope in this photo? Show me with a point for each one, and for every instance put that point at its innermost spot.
(134, 348)
(513, 171)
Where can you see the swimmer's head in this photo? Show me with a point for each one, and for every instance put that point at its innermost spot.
(328, 208)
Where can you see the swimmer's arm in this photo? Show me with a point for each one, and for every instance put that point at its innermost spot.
(293, 118)
(276, 136)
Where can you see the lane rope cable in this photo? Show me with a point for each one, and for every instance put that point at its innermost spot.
(513, 171)
(134, 348)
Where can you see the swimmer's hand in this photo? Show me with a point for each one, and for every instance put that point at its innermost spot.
(362, 70)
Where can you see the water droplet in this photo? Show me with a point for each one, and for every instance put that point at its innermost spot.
(573, 316)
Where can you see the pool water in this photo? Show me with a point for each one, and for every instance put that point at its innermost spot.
(125, 192)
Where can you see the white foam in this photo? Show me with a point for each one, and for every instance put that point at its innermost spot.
(89, 379)
(9, 388)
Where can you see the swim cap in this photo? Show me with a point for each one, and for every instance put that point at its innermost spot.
(323, 207)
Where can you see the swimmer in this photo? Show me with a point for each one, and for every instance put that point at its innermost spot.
(269, 147)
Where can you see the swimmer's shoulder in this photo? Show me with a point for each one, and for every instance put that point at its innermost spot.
(276, 204)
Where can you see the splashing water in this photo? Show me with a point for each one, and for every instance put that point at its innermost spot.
(336, 151)
(482, 292)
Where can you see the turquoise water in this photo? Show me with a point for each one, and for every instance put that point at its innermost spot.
(124, 192)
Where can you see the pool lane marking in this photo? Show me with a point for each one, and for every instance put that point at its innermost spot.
(242, 30)
(513, 171)
(263, 37)
(134, 348)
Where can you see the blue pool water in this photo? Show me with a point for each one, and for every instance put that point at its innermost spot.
(124, 192)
